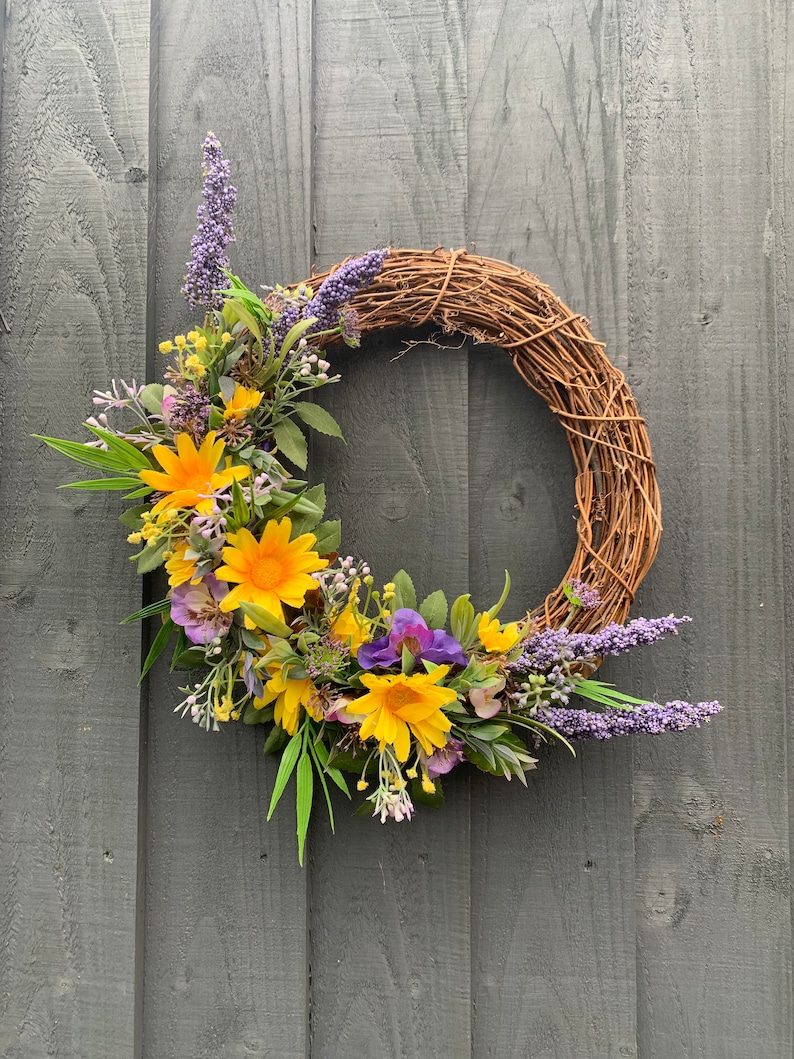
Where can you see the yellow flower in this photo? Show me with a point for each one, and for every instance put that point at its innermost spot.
(192, 363)
(289, 696)
(192, 336)
(200, 343)
(180, 341)
(243, 402)
(351, 628)
(362, 785)
(190, 476)
(395, 704)
(180, 569)
(135, 538)
(494, 640)
(226, 337)
(271, 571)
(427, 785)
(166, 347)
(223, 710)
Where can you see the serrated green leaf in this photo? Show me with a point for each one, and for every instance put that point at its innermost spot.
(291, 443)
(329, 537)
(151, 558)
(303, 800)
(265, 621)
(158, 646)
(131, 518)
(434, 610)
(404, 591)
(276, 740)
(288, 761)
(315, 416)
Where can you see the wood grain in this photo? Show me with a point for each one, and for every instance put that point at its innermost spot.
(73, 161)
(553, 946)
(390, 904)
(226, 968)
(708, 349)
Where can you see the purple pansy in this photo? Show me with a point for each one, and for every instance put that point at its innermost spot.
(409, 629)
(442, 761)
(197, 609)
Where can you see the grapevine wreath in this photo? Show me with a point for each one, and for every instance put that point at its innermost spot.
(274, 627)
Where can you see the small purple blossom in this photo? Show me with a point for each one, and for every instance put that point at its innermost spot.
(187, 412)
(409, 629)
(582, 595)
(651, 718)
(197, 609)
(329, 304)
(204, 276)
(553, 646)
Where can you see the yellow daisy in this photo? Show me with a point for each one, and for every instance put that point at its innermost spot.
(351, 628)
(243, 402)
(289, 696)
(395, 704)
(179, 568)
(271, 571)
(493, 639)
(191, 475)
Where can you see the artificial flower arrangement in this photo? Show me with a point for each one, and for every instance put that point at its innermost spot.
(274, 625)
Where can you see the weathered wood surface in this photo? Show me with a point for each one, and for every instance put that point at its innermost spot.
(73, 164)
(634, 901)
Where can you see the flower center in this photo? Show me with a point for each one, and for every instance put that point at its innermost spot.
(399, 697)
(266, 573)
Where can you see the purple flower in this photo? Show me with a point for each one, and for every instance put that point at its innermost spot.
(330, 302)
(204, 275)
(442, 761)
(582, 595)
(409, 629)
(187, 412)
(651, 718)
(197, 609)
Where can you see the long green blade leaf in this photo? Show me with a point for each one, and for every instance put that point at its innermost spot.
(157, 648)
(102, 483)
(288, 761)
(147, 612)
(81, 453)
(303, 800)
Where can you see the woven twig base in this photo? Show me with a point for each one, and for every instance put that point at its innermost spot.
(619, 520)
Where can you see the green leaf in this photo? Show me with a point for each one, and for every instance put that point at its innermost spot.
(288, 761)
(103, 483)
(152, 398)
(295, 332)
(143, 491)
(489, 732)
(147, 612)
(291, 442)
(134, 459)
(234, 309)
(81, 453)
(305, 523)
(321, 752)
(404, 591)
(250, 639)
(276, 740)
(461, 618)
(315, 416)
(158, 646)
(254, 716)
(266, 621)
(227, 388)
(606, 694)
(131, 518)
(419, 795)
(303, 800)
(240, 509)
(434, 610)
(502, 599)
(151, 558)
(329, 537)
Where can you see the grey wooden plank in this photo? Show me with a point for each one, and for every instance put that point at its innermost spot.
(390, 906)
(708, 351)
(226, 971)
(73, 159)
(553, 951)
(390, 903)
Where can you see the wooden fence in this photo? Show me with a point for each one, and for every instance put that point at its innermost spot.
(637, 155)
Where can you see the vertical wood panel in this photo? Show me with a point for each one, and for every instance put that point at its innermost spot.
(226, 969)
(390, 903)
(553, 951)
(73, 191)
(712, 840)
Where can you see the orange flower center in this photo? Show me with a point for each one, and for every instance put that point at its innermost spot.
(266, 573)
(399, 697)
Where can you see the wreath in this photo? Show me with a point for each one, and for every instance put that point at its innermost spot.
(275, 626)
